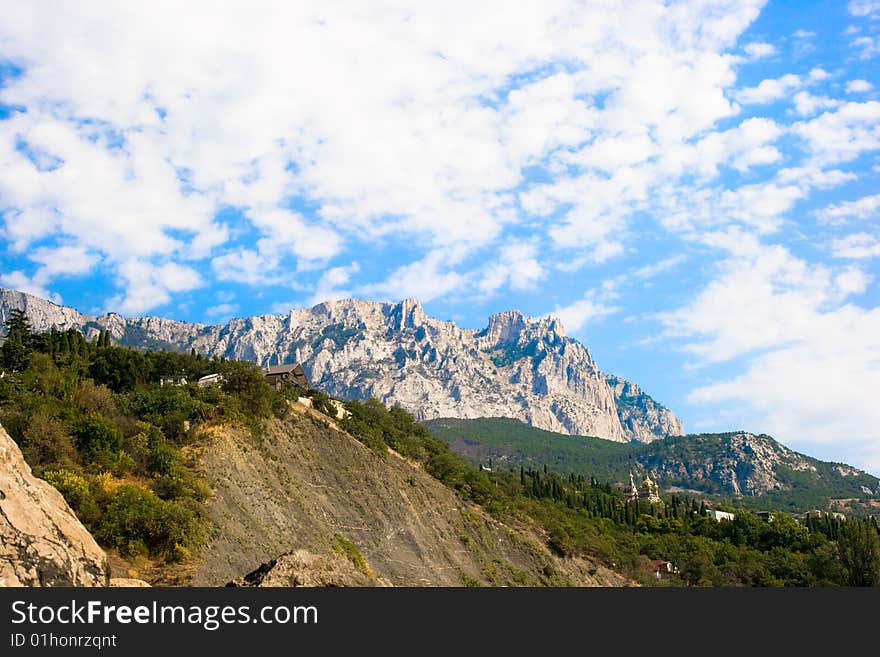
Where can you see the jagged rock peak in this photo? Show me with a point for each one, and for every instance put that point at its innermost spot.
(505, 327)
(408, 314)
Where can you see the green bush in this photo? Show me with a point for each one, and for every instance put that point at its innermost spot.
(85, 495)
(96, 435)
(137, 521)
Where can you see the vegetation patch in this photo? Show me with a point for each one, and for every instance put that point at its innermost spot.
(347, 549)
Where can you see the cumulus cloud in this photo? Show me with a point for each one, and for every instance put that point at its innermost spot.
(869, 8)
(841, 135)
(332, 284)
(426, 279)
(759, 49)
(858, 86)
(856, 246)
(769, 90)
(575, 316)
(859, 209)
(516, 266)
(222, 311)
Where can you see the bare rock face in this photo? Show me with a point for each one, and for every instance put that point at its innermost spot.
(516, 367)
(642, 418)
(303, 568)
(41, 541)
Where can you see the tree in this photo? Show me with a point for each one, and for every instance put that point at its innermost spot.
(17, 347)
(859, 548)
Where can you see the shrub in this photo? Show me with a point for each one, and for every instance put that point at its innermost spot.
(348, 550)
(46, 441)
(96, 435)
(84, 495)
(137, 521)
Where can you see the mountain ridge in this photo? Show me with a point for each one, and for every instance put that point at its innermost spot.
(516, 366)
(753, 468)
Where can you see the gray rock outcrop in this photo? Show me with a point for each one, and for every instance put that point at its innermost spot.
(42, 543)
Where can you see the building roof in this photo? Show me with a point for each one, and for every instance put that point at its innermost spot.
(296, 368)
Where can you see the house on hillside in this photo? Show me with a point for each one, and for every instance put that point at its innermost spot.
(210, 380)
(172, 380)
(718, 516)
(663, 568)
(292, 372)
(766, 516)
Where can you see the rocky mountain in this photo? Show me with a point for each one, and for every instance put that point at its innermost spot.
(516, 367)
(41, 541)
(739, 464)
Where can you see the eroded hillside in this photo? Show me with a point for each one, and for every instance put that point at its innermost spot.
(304, 482)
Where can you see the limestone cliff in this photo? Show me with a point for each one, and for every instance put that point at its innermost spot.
(516, 367)
(41, 541)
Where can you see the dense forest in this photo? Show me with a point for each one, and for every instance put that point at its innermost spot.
(95, 420)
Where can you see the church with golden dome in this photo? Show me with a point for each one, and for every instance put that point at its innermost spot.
(648, 490)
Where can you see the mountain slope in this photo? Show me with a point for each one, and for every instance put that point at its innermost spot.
(305, 482)
(516, 367)
(758, 468)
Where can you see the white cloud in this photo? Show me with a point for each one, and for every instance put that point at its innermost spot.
(650, 271)
(856, 246)
(331, 285)
(843, 134)
(150, 143)
(148, 285)
(864, 7)
(426, 279)
(806, 103)
(759, 49)
(18, 280)
(577, 315)
(858, 86)
(861, 209)
(516, 266)
(809, 177)
(763, 298)
(222, 311)
(246, 266)
(769, 90)
(867, 45)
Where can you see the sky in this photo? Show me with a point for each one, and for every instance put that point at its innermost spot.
(692, 187)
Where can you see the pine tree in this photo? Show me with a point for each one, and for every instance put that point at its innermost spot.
(17, 347)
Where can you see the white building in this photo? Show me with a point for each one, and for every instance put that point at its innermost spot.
(720, 515)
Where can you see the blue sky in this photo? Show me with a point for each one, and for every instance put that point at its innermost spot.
(693, 187)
